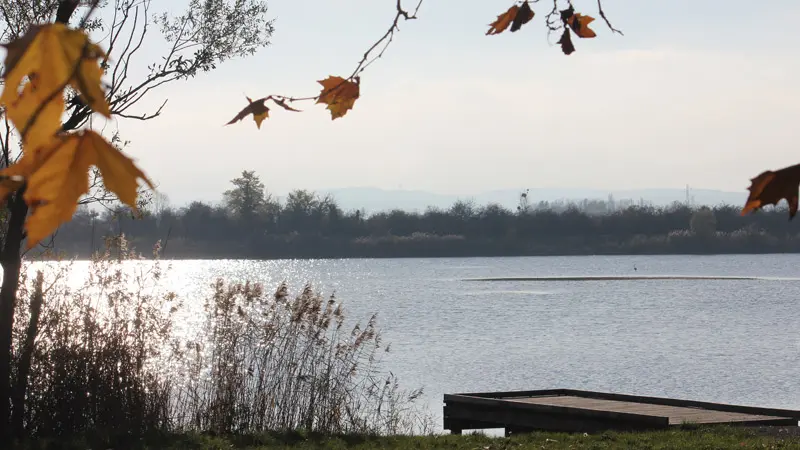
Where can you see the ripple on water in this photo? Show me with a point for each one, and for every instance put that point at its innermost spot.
(726, 334)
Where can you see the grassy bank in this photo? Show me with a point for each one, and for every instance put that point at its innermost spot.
(709, 438)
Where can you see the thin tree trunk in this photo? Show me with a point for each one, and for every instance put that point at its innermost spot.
(21, 388)
(11, 262)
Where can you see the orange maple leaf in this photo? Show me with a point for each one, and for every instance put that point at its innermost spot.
(580, 25)
(257, 108)
(769, 188)
(503, 21)
(339, 94)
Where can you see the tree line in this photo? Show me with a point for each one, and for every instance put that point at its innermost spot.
(251, 223)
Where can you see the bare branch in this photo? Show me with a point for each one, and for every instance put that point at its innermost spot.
(603, 15)
(366, 61)
(65, 10)
(144, 116)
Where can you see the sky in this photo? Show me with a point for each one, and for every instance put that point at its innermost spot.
(698, 92)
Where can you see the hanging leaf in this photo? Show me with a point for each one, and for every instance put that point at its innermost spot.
(523, 16)
(257, 108)
(566, 42)
(339, 94)
(503, 21)
(580, 25)
(56, 56)
(57, 175)
(38, 101)
(769, 188)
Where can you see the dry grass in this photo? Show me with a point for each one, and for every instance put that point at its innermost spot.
(275, 362)
(106, 356)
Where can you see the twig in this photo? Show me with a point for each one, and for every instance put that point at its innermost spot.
(603, 15)
(365, 61)
(89, 13)
(143, 116)
(553, 24)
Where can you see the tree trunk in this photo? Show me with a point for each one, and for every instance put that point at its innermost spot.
(24, 367)
(11, 262)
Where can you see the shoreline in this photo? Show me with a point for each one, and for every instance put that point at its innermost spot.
(166, 256)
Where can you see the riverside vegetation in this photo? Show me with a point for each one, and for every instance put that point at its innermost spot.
(86, 360)
(110, 356)
(250, 223)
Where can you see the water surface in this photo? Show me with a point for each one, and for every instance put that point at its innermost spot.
(727, 340)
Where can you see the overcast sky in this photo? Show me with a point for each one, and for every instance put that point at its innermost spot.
(697, 92)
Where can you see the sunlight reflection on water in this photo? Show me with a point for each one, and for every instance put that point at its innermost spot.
(717, 340)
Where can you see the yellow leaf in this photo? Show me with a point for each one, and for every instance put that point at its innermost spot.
(89, 84)
(55, 187)
(56, 56)
(339, 94)
(57, 176)
(14, 175)
(120, 174)
(257, 108)
(49, 109)
(16, 48)
(258, 118)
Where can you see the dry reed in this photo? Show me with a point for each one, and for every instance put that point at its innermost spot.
(106, 357)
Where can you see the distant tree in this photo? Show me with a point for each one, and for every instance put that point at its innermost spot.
(461, 216)
(463, 209)
(524, 205)
(197, 221)
(246, 198)
(703, 222)
(301, 202)
(326, 213)
(270, 212)
(300, 206)
(160, 203)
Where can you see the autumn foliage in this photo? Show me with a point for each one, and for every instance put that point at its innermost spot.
(340, 93)
(770, 187)
(54, 166)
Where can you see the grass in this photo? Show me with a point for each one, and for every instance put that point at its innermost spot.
(701, 438)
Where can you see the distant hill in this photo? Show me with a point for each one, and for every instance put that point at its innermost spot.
(375, 199)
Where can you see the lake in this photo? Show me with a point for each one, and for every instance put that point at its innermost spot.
(717, 340)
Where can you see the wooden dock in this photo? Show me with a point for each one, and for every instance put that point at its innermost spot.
(573, 410)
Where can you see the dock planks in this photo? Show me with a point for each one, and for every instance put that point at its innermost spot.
(587, 411)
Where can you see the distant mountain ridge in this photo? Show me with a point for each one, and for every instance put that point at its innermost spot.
(375, 199)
